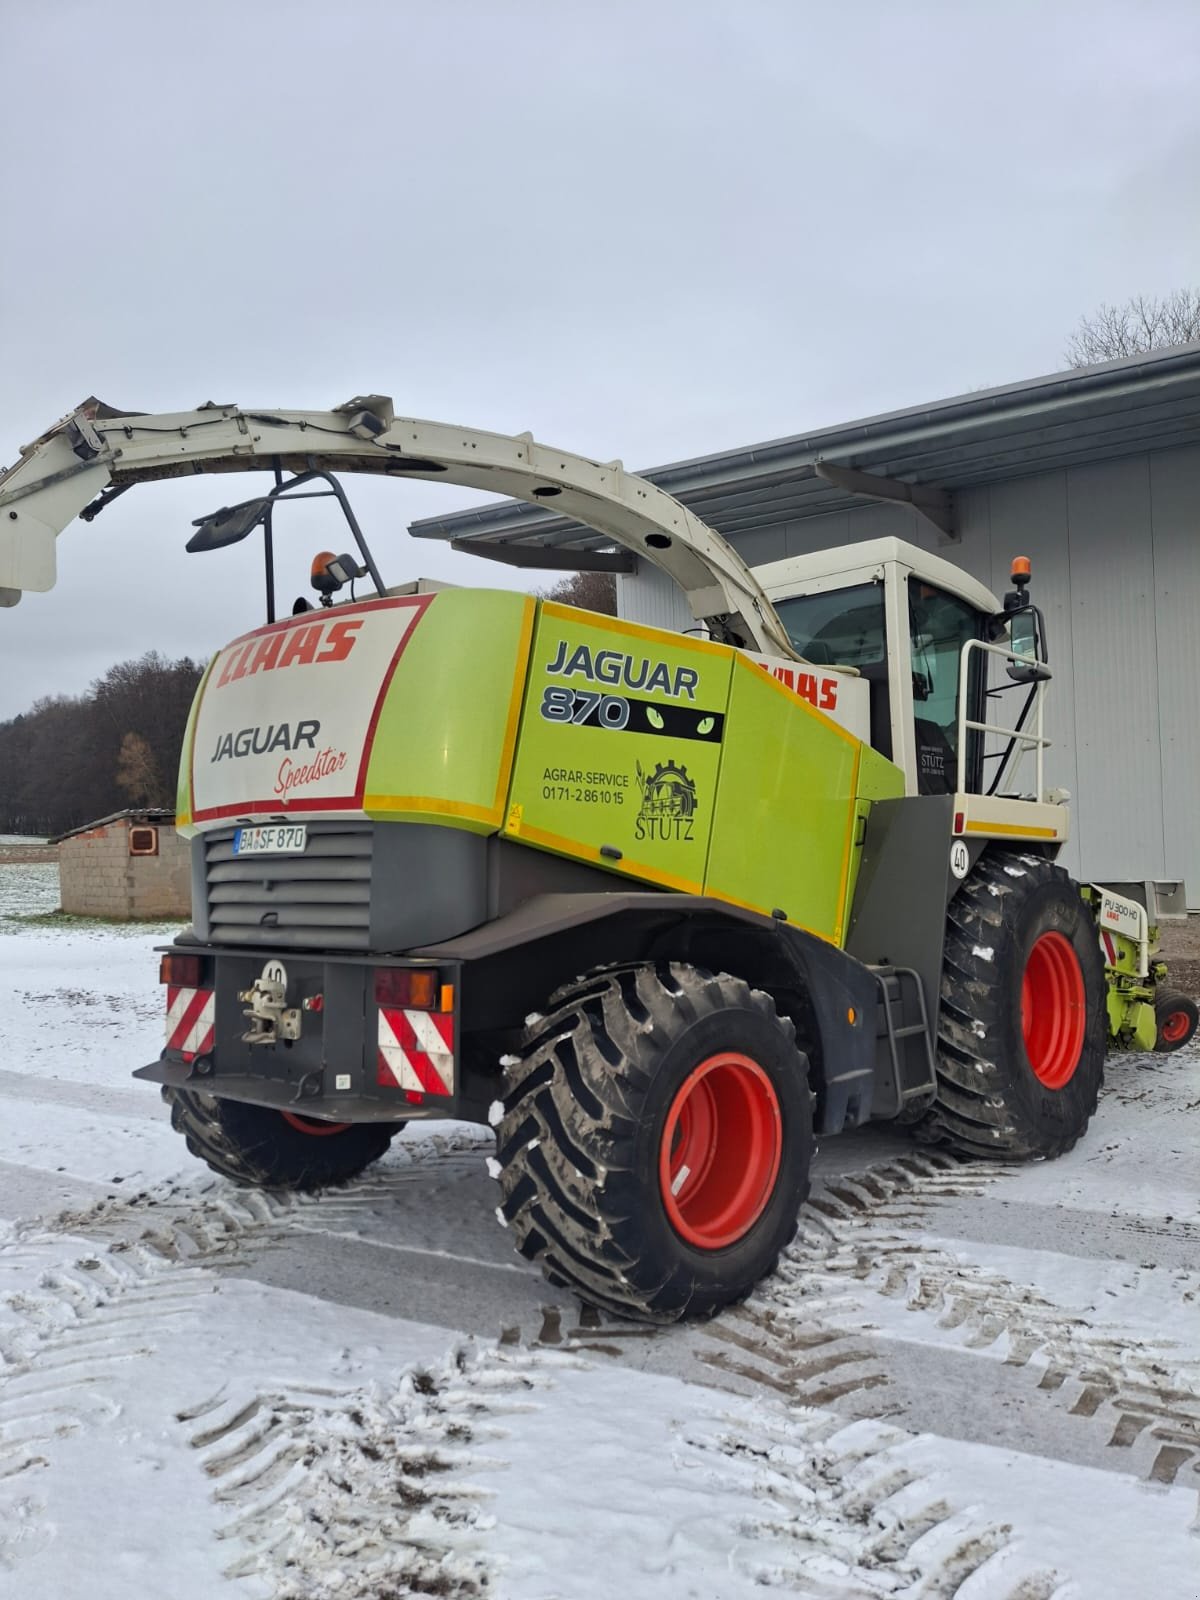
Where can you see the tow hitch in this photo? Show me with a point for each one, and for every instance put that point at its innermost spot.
(267, 1011)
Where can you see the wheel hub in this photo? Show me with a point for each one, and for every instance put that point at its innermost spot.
(1053, 1009)
(311, 1126)
(1175, 1026)
(720, 1151)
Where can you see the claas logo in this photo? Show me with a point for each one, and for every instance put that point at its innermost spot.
(309, 644)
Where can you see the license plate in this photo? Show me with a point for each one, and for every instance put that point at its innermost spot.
(278, 839)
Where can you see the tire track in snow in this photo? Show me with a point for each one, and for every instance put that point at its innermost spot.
(98, 1289)
(844, 1515)
(64, 1340)
(362, 1494)
(101, 1287)
(459, 1152)
(101, 1308)
(785, 1335)
(831, 1509)
(857, 1240)
(367, 1493)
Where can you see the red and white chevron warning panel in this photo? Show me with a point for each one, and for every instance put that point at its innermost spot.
(416, 1052)
(191, 1015)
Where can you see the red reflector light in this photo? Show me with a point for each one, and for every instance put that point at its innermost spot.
(959, 821)
(184, 972)
(407, 986)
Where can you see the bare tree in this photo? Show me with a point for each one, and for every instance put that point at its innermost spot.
(591, 591)
(137, 771)
(1143, 323)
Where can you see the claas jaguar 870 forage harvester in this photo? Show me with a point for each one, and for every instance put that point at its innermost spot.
(659, 907)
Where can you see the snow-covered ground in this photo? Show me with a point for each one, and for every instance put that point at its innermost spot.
(963, 1381)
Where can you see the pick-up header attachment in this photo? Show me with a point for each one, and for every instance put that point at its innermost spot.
(77, 467)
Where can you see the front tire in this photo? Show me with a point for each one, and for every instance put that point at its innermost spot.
(1021, 1027)
(264, 1149)
(655, 1141)
(1176, 1016)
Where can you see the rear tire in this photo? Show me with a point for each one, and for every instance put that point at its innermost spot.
(264, 1149)
(654, 1147)
(1021, 1026)
(1176, 1016)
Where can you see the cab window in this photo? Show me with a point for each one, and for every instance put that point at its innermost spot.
(846, 628)
(843, 627)
(939, 626)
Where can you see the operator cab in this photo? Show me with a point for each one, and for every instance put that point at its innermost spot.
(903, 618)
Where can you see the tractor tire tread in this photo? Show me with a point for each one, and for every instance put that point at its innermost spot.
(1165, 1002)
(975, 1112)
(566, 1140)
(254, 1148)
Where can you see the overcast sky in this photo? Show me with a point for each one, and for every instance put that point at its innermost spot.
(640, 230)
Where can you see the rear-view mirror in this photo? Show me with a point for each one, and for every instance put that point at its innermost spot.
(1025, 640)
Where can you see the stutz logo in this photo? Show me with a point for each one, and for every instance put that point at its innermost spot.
(306, 644)
(668, 806)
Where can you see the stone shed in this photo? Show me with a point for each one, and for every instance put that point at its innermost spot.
(132, 864)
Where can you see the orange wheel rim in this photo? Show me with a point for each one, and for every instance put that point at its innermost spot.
(1175, 1026)
(720, 1151)
(1053, 1010)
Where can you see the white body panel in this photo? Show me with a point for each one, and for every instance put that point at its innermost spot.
(844, 565)
(286, 715)
(1116, 914)
(27, 556)
(843, 698)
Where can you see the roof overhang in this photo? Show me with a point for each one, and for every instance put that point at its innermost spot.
(921, 456)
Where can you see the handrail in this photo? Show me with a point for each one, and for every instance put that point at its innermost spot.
(1019, 740)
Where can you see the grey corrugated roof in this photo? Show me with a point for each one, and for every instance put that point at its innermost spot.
(133, 817)
(1146, 402)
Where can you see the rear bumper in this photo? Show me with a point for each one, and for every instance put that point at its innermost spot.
(310, 1100)
(354, 1060)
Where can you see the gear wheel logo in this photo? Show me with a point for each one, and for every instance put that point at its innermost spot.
(669, 802)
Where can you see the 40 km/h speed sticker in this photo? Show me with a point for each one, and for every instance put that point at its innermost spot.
(960, 859)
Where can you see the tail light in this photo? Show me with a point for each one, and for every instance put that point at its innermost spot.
(416, 988)
(183, 972)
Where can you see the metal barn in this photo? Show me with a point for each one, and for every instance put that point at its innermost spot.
(1094, 474)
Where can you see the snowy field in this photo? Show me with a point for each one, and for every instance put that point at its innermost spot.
(963, 1381)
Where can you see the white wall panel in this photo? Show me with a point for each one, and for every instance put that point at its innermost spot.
(1118, 806)
(650, 597)
(1175, 506)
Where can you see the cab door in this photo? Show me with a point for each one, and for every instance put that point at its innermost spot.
(904, 635)
(939, 625)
